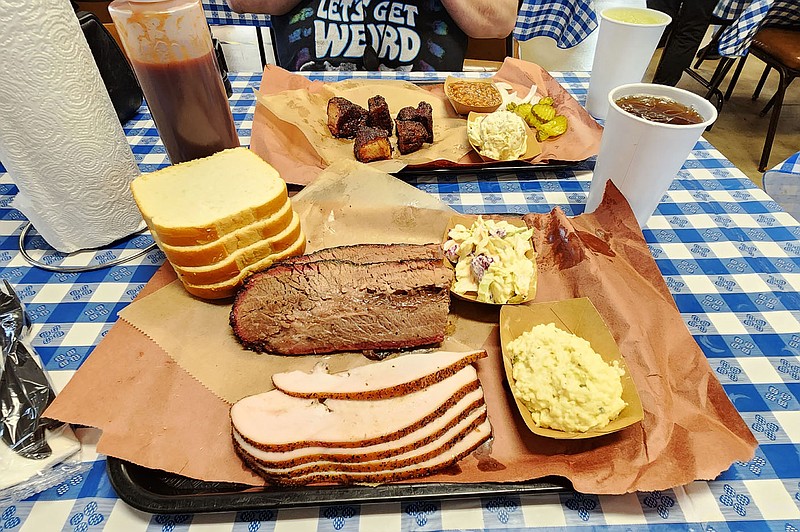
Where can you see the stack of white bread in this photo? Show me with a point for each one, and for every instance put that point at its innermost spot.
(219, 219)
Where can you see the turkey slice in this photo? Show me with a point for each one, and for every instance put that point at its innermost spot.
(412, 456)
(389, 378)
(426, 434)
(274, 421)
(471, 441)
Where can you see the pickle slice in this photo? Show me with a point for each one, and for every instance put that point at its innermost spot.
(553, 128)
(545, 113)
(542, 117)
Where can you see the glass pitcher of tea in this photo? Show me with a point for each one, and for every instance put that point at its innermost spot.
(169, 45)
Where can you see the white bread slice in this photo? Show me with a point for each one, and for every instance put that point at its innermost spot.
(199, 201)
(233, 265)
(217, 251)
(229, 287)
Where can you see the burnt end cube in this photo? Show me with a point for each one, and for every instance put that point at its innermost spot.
(423, 114)
(378, 115)
(411, 135)
(425, 117)
(372, 144)
(345, 118)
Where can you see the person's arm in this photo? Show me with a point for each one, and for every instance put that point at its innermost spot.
(270, 7)
(483, 19)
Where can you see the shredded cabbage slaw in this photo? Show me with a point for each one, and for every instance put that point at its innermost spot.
(494, 259)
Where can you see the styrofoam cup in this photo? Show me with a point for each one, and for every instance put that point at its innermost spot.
(642, 157)
(623, 51)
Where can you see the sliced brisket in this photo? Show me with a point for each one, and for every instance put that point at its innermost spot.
(371, 253)
(336, 305)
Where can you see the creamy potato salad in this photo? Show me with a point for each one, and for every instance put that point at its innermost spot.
(563, 382)
(502, 135)
(494, 259)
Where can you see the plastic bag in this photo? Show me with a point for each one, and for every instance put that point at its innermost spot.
(31, 447)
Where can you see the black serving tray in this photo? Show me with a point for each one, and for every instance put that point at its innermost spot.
(159, 492)
(480, 168)
(531, 171)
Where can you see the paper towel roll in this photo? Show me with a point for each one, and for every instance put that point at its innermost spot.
(60, 139)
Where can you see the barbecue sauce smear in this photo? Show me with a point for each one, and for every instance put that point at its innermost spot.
(657, 109)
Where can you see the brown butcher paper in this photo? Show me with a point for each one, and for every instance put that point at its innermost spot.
(240, 372)
(290, 123)
(154, 413)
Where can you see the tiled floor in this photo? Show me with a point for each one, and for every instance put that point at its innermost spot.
(739, 132)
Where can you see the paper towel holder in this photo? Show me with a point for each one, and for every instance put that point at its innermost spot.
(77, 269)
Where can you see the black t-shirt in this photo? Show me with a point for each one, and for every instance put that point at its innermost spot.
(369, 34)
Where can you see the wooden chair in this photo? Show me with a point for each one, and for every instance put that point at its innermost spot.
(779, 48)
(489, 54)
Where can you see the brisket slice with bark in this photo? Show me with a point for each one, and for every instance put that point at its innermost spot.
(336, 305)
(371, 253)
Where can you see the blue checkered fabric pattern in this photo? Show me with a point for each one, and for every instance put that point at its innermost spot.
(783, 184)
(728, 252)
(219, 14)
(730, 9)
(568, 22)
(789, 166)
(735, 40)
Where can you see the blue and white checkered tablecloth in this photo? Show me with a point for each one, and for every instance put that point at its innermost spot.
(729, 255)
(751, 16)
(219, 14)
(783, 184)
(730, 9)
(568, 22)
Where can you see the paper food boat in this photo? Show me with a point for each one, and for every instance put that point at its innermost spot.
(579, 317)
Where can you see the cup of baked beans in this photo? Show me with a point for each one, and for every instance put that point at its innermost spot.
(472, 95)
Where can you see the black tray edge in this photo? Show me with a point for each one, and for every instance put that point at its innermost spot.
(412, 171)
(122, 475)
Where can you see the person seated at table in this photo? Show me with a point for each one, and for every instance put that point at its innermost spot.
(380, 34)
(690, 20)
